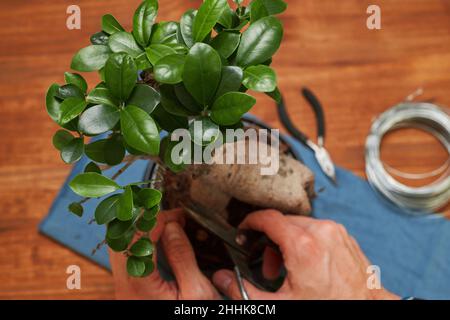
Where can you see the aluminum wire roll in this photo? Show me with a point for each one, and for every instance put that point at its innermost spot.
(423, 116)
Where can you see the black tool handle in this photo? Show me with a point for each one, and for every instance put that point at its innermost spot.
(287, 123)
(318, 110)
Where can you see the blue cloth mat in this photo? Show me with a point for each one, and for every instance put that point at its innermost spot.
(412, 252)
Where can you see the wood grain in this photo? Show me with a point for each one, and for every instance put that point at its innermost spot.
(357, 73)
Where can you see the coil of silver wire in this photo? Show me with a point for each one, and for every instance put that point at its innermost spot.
(419, 115)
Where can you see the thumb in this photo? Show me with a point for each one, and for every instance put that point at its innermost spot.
(226, 282)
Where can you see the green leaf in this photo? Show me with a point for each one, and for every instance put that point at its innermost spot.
(144, 97)
(93, 185)
(91, 58)
(114, 150)
(117, 229)
(98, 119)
(260, 78)
(122, 243)
(155, 52)
(151, 214)
(121, 75)
(259, 42)
(110, 25)
(72, 151)
(202, 72)
(170, 102)
(149, 266)
(258, 10)
(77, 80)
(143, 21)
(100, 38)
(70, 109)
(106, 211)
(92, 167)
(229, 108)
(142, 62)
(61, 138)
(96, 151)
(203, 131)
(124, 210)
(145, 225)
(275, 95)
(169, 69)
(142, 248)
(164, 33)
(135, 266)
(207, 16)
(176, 161)
(167, 121)
(186, 24)
(227, 18)
(139, 130)
(76, 209)
(52, 104)
(226, 43)
(69, 91)
(124, 42)
(274, 7)
(102, 95)
(231, 80)
(186, 99)
(149, 197)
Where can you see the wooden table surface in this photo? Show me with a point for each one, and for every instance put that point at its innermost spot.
(356, 72)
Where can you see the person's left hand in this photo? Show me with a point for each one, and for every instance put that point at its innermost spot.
(190, 283)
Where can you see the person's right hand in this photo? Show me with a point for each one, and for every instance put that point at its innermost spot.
(322, 261)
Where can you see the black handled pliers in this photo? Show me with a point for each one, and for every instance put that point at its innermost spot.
(321, 154)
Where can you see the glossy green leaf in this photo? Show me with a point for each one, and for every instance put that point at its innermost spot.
(69, 91)
(144, 97)
(171, 103)
(155, 52)
(164, 32)
(70, 109)
(207, 16)
(151, 214)
(186, 99)
(76, 209)
(149, 197)
(52, 104)
(259, 42)
(122, 243)
(260, 78)
(110, 25)
(186, 25)
(145, 225)
(72, 151)
(143, 21)
(61, 138)
(96, 151)
(100, 38)
(114, 150)
(142, 248)
(226, 43)
(92, 167)
(135, 266)
(203, 131)
(91, 58)
(139, 130)
(98, 119)
(227, 18)
(124, 209)
(102, 95)
(202, 72)
(142, 62)
(169, 69)
(275, 95)
(168, 121)
(149, 266)
(274, 7)
(176, 161)
(117, 229)
(121, 75)
(258, 10)
(231, 80)
(229, 108)
(124, 42)
(106, 211)
(77, 80)
(93, 185)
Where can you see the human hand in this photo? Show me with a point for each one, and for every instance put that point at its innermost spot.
(322, 261)
(190, 283)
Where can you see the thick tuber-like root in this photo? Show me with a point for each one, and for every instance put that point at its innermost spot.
(289, 191)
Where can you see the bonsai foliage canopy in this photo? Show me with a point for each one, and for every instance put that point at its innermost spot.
(161, 76)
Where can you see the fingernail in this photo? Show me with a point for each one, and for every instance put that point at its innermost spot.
(222, 280)
(172, 231)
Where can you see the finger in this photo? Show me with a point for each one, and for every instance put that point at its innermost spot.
(272, 263)
(163, 218)
(272, 223)
(226, 282)
(181, 258)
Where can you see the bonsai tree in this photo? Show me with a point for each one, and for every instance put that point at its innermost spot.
(159, 77)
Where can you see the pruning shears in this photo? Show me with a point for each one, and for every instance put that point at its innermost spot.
(321, 154)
